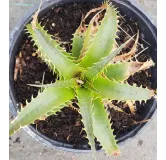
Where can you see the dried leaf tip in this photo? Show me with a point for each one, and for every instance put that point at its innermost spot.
(35, 16)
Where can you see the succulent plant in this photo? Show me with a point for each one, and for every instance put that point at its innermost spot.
(93, 73)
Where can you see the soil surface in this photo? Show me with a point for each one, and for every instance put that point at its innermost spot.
(66, 126)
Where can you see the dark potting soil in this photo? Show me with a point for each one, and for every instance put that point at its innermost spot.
(66, 126)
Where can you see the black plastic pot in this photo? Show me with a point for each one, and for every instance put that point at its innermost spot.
(126, 8)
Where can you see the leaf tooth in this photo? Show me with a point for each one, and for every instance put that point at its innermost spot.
(26, 32)
(22, 107)
(112, 129)
(118, 17)
(116, 9)
(43, 117)
(117, 37)
(134, 84)
(145, 100)
(119, 27)
(34, 45)
(140, 101)
(141, 86)
(30, 37)
(49, 61)
(50, 113)
(54, 110)
(25, 29)
(32, 97)
(109, 3)
(115, 136)
(117, 21)
(26, 102)
(118, 30)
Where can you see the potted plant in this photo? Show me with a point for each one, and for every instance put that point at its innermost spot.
(93, 76)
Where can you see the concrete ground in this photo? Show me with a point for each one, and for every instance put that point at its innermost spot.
(23, 147)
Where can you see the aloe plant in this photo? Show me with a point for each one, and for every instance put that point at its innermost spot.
(87, 74)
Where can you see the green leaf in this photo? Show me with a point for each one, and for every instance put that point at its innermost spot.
(85, 103)
(92, 72)
(52, 54)
(92, 29)
(122, 71)
(118, 72)
(119, 91)
(104, 39)
(89, 35)
(78, 40)
(102, 128)
(50, 100)
(89, 85)
(72, 83)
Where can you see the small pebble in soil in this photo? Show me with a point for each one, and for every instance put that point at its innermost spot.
(53, 24)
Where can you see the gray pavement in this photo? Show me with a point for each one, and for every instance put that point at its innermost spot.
(23, 147)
